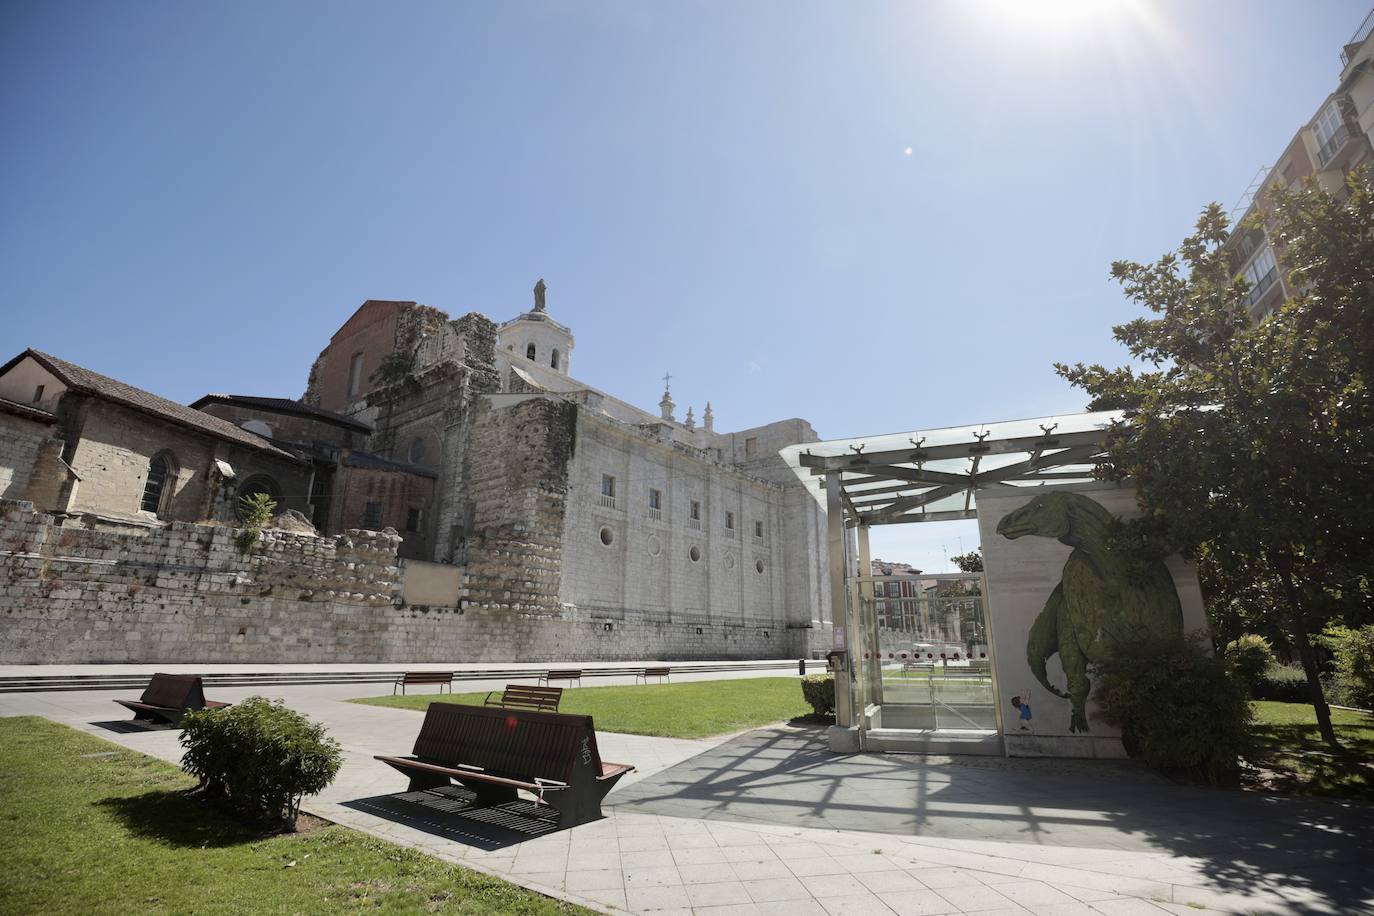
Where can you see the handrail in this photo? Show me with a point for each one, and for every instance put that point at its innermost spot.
(1358, 38)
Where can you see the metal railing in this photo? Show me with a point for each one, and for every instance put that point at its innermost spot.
(1358, 38)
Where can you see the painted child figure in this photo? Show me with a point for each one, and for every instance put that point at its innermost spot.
(1021, 703)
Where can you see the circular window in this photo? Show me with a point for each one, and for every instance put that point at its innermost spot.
(694, 553)
(607, 536)
(417, 450)
(729, 561)
(653, 545)
(758, 567)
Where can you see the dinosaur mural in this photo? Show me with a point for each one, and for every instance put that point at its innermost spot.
(1097, 601)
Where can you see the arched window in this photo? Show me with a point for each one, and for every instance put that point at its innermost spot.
(156, 489)
(553, 360)
(529, 352)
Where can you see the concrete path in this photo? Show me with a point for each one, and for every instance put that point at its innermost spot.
(769, 822)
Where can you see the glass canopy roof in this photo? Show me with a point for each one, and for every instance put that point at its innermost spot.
(933, 475)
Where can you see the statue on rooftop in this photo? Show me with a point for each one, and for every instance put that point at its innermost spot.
(539, 295)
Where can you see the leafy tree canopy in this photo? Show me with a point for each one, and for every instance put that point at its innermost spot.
(1251, 445)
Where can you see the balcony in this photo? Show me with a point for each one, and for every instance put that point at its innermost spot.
(694, 524)
(1332, 147)
(1261, 287)
(607, 502)
(655, 514)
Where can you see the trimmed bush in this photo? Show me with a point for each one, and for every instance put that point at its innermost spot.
(260, 757)
(1354, 651)
(1178, 706)
(819, 691)
(1250, 656)
(1285, 683)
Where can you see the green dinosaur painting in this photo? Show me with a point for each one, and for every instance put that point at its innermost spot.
(1099, 599)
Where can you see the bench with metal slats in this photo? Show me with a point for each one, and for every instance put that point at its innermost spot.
(168, 697)
(525, 696)
(663, 674)
(562, 674)
(494, 752)
(411, 678)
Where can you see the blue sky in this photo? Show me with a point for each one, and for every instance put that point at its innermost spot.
(193, 196)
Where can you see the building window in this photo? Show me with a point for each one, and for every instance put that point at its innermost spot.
(38, 394)
(160, 470)
(413, 518)
(608, 491)
(758, 567)
(729, 521)
(372, 516)
(751, 445)
(417, 452)
(1261, 272)
(694, 554)
(607, 537)
(655, 498)
(355, 374)
(553, 360)
(258, 483)
(758, 530)
(529, 352)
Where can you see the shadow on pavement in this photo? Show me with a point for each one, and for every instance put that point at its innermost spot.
(1241, 841)
(132, 726)
(451, 814)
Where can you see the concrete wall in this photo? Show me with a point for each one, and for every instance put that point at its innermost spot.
(1021, 575)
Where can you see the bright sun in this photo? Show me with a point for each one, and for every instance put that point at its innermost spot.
(1057, 15)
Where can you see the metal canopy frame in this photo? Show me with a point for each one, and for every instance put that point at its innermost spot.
(934, 475)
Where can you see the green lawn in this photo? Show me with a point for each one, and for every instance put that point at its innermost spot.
(1289, 746)
(87, 826)
(695, 709)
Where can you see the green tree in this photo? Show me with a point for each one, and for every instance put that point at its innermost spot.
(1250, 444)
(970, 562)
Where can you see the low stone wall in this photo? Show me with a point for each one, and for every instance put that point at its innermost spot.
(185, 593)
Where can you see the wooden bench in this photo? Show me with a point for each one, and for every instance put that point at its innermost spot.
(923, 665)
(525, 696)
(494, 752)
(423, 677)
(565, 674)
(663, 674)
(168, 697)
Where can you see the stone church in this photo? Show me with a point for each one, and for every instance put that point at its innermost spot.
(532, 503)
(554, 496)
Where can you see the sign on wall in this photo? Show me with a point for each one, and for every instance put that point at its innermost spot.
(1059, 596)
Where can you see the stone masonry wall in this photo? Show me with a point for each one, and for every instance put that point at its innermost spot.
(183, 593)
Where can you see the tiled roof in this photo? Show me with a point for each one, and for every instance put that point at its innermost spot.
(284, 405)
(26, 410)
(365, 460)
(79, 378)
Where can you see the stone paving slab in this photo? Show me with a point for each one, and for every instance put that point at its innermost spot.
(707, 860)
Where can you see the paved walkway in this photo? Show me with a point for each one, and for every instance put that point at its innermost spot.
(770, 822)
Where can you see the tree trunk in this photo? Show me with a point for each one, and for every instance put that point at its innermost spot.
(1298, 621)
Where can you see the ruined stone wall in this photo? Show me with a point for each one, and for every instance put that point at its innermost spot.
(184, 593)
(517, 482)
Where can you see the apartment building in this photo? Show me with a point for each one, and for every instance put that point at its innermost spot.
(1336, 140)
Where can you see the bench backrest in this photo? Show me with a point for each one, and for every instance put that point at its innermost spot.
(511, 742)
(427, 677)
(525, 695)
(174, 691)
(564, 674)
(657, 672)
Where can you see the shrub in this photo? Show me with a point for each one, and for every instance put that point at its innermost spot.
(1178, 706)
(1285, 683)
(255, 511)
(819, 691)
(259, 756)
(1354, 651)
(1250, 656)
